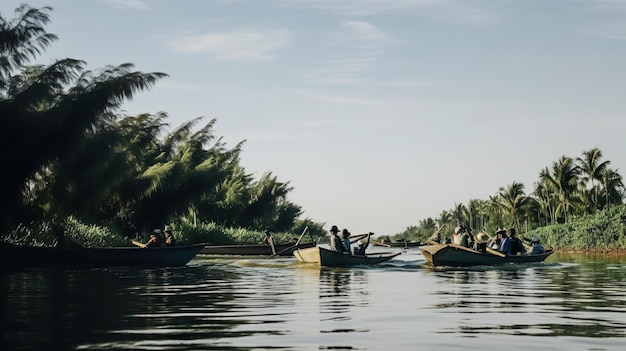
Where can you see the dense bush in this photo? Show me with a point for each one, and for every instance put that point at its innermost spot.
(603, 231)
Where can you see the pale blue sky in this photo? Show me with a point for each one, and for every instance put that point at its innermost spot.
(379, 113)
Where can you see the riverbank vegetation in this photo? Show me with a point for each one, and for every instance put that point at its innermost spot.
(70, 156)
(576, 205)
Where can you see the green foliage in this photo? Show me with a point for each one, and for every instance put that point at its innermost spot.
(604, 230)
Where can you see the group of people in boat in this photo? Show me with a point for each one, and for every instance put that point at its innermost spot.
(504, 241)
(159, 239)
(340, 242)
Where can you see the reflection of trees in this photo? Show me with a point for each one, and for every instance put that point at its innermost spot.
(120, 308)
(584, 300)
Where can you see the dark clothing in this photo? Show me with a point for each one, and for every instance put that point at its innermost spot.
(516, 246)
(359, 250)
(155, 241)
(170, 241)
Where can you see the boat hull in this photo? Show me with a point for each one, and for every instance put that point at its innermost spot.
(399, 244)
(29, 256)
(459, 256)
(327, 258)
(284, 249)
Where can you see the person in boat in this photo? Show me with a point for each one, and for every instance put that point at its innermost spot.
(345, 237)
(481, 241)
(362, 244)
(505, 243)
(537, 248)
(156, 240)
(497, 240)
(336, 244)
(269, 240)
(462, 236)
(62, 240)
(170, 240)
(516, 244)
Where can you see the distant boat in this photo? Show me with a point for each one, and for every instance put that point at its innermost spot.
(398, 244)
(324, 257)
(283, 249)
(28, 256)
(461, 256)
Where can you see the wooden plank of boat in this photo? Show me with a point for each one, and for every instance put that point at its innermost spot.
(27, 256)
(460, 256)
(324, 257)
(254, 250)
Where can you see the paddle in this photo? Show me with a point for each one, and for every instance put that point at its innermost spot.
(430, 241)
(359, 237)
(492, 251)
(139, 244)
(381, 244)
(291, 247)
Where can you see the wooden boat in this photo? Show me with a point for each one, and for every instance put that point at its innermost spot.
(283, 249)
(460, 256)
(327, 258)
(398, 244)
(28, 256)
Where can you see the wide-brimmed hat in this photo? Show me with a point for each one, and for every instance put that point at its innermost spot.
(457, 230)
(334, 229)
(534, 239)
(156, 232)
(168, 228)
(501, 231)
(361, 242)
(482, 237)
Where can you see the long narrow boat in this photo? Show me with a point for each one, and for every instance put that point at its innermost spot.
(327, 258)
(28, 256)
(284, 249)
(398, 244)
(459, 256)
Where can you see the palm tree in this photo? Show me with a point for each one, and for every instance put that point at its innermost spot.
(512, 200)
(591, 170)
(563, 184)
(49, 113)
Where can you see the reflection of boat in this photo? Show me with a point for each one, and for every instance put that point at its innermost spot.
(284, 249)
(401, 244)
(460, 256)
(328, 258)
(23, 256)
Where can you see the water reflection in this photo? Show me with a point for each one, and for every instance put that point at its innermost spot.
(545, 299)
(278, 304)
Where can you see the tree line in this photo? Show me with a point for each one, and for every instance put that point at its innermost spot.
(570, 188)
(66, 149)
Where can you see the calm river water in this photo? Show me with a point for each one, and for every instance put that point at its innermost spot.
(569, 302)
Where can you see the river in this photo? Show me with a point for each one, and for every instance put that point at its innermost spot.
(569, 302)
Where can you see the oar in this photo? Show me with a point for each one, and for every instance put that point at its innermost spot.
(291, 247)
(381, 244)
(490, 250)
(139, 244)
(430, 241)
(359, 237)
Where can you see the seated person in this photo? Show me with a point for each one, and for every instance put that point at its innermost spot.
(169, 238)
(516, 244)
(362, 245)
(537, 248)
(155, 239)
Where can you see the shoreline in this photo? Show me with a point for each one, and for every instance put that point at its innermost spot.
(610, 252)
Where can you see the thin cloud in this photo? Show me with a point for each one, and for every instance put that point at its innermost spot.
(128, 4)
(334, 99)
(447, 10)
(239, 45)
(365, 30)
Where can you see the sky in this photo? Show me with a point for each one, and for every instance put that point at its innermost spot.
(379, 113)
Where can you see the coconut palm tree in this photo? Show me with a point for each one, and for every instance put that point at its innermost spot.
(512, 200)
(591, 169)
(49, 113)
